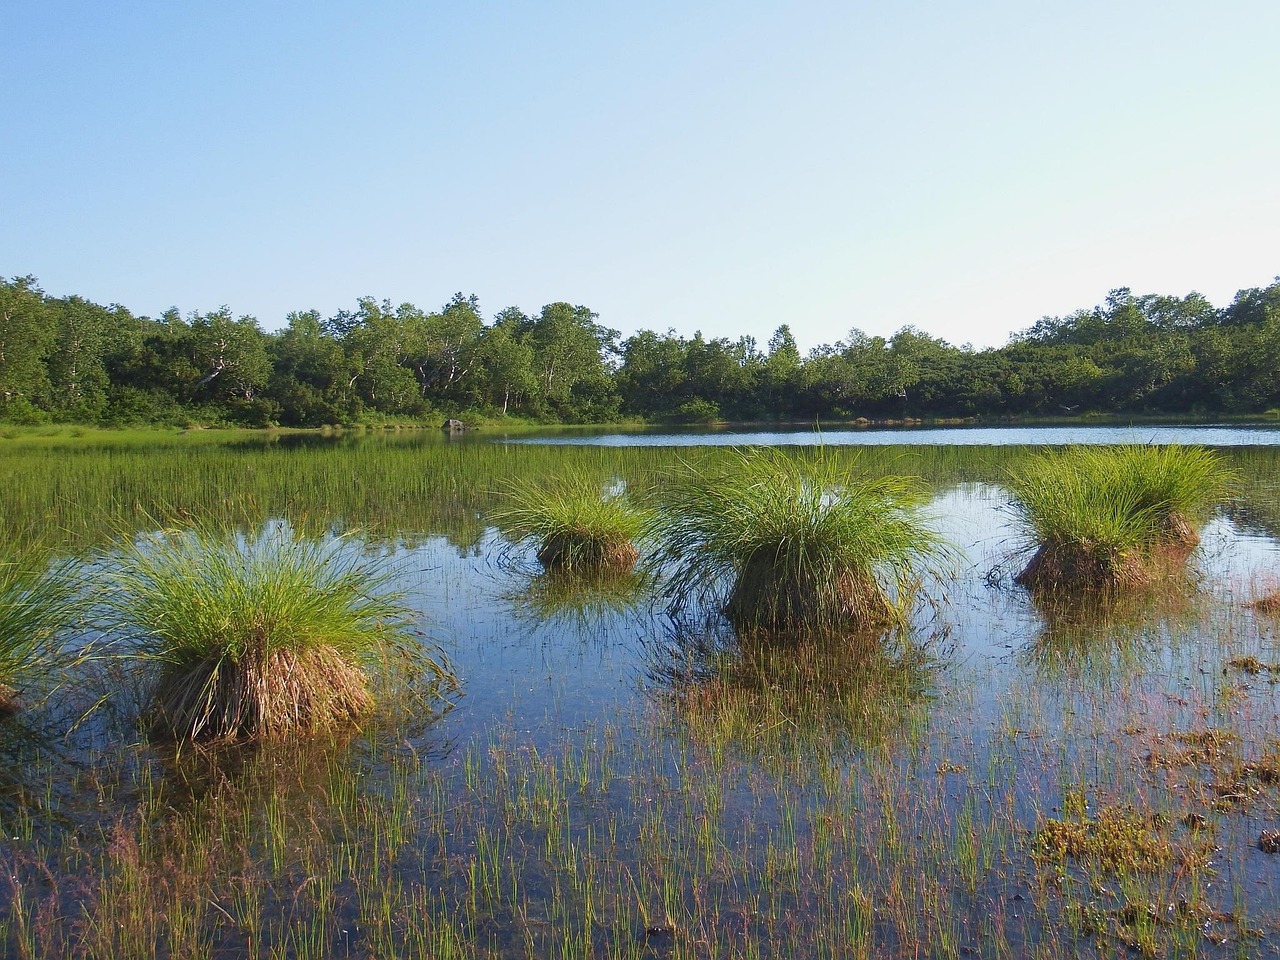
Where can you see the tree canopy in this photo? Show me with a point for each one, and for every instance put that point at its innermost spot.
(68, 359)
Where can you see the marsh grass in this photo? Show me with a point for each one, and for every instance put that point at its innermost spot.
(738, 825)
(260, 638)
(578, 526)
(36, 601)
(1113, 517)
(801, 544)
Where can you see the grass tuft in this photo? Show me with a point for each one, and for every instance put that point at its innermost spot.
(577, 527)
(802, 544)
(1111, 517)
(260, 639)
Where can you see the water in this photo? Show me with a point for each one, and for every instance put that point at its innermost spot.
(1210, 435)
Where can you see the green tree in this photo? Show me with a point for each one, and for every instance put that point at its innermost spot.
(26, 340)
(571, 360)
(506, 362)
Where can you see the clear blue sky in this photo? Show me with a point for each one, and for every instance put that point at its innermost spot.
(964, 167)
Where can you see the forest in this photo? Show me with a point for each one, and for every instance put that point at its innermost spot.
(66, 359)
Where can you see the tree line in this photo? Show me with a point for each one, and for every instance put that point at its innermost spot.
(66, 359)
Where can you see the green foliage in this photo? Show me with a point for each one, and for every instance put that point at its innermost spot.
(803, 544)
(35, 601)
(577, 526)
(260, 638)
(1099, 514)
(66, 359)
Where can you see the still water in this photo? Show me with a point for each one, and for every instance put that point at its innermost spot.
(1211, 435)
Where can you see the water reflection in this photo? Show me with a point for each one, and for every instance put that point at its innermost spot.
(583, 602)
(1103, 641)
(764, 694)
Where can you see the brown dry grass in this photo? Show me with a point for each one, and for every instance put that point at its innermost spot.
(1059, 566)
(573, 551)
(770, 596)
(264, 695)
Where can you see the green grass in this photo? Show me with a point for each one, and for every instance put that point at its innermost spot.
(801, 543)
(1103, 517)
(35, 601)
(577, 525)
(261, 638)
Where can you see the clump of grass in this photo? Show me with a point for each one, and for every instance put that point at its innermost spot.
(1109, 517)
(578, 528)
(802, 544)
(35, 601)
(1269, 602)
(261, 639)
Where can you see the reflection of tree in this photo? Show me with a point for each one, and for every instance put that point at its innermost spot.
(1108, 638)
(834, 693)
(1259, 518)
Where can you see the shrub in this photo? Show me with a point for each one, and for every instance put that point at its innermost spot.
(800, 545)
(264, 638)
(577, 527)
(1104, 517)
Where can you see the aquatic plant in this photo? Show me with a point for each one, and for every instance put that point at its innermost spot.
(263, 638)
(35, 601)
(802, 543)
(1107, 517)
(576, 525)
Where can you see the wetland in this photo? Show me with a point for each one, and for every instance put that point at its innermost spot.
(993, 774)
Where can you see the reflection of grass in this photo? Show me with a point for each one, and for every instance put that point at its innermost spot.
(1099, 515)
(577, 527)
(756, 694)
(1103, 638)
(804, 544)
(262, 639)
(580, 599)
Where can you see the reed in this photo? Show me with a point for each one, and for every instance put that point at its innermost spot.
(263, 638)
(802, 543)
(1110, 517)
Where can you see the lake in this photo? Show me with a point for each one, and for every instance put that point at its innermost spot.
(1004, 777)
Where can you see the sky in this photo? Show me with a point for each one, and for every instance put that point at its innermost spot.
(965, 168)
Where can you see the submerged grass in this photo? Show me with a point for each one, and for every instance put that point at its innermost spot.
(1109, 517)
(262, 638)
(802, 543)
(577, 526)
